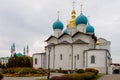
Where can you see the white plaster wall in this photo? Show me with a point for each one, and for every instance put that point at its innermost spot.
(51, 57)
(81, 28)
(104, 44)
(100, 56)
(38, 65)
(44, 65)
(57, 32)
(65, 63)
(100, 60)
(79, 49)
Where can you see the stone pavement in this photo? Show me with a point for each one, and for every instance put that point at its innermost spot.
(110, 77)
(30, 78)
(21, 78)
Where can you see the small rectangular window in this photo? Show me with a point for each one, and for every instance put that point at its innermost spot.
(60, 56)
(92, 59)
(35, 60)
(78, 57)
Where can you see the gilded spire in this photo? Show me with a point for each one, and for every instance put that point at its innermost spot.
(71, 22)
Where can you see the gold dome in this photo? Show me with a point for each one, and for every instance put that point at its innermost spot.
(97, 43)
(71, 22)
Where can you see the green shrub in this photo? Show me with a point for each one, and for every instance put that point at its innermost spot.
(82, 76)
(89, 75)
(60, 78)
(74, 76)
(80, 71)
(92, 70)
(41, 71)
(63, 71)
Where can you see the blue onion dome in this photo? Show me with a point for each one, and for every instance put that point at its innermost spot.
(89, 28)
(65, 31)
(58, 25)
(81, 19)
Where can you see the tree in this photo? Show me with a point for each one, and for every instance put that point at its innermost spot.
(22, 61)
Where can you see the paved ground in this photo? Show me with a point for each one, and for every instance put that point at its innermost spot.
(105, 77)
(30, 78)
(21, 78)
(110, 77)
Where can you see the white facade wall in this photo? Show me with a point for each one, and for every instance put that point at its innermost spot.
(41, 61)
(38, 65)
(102, 62)
(78, 49)
(65, 51)
(99, 58)
(104, 44)
(57, 32)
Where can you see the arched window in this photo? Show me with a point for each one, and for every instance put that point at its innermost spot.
(92, 59)
(35, 60)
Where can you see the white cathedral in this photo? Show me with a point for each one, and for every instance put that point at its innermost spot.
(77, 47)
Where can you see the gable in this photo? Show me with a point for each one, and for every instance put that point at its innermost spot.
(65, 37)
(51, 39)
(102, 40)
(79, 42)
(82, 36)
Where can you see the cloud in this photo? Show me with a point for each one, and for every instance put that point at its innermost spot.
(30, 22)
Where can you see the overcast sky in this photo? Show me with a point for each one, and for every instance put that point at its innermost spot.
(30, 22)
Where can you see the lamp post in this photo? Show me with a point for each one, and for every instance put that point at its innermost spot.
(48, 76)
